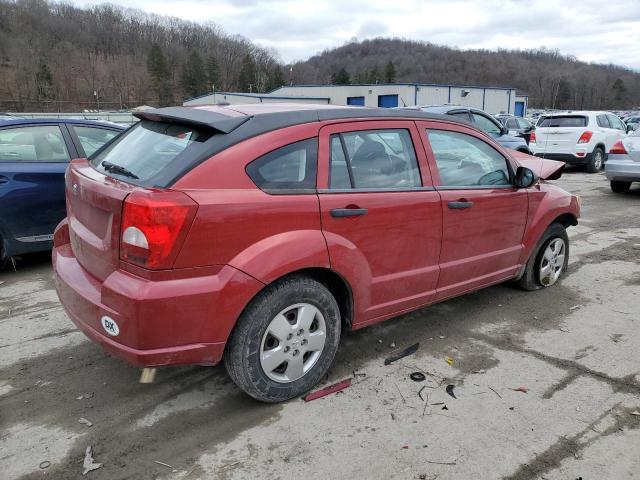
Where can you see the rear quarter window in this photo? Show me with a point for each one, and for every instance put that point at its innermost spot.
(567, 121)
(289, 169)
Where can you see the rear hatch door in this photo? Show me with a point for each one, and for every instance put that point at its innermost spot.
(560, 133)
(94, 210)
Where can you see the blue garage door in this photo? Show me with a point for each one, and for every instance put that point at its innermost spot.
(519, 109)
(387, 101)
(355, 101)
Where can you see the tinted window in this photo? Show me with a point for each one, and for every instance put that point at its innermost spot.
(373, 159)
(523, 123)
(484, 123)
(148, 147)
(92, 138)
(512, 123)
(292, 167)
(565, 121)
(464, 160)
(603, 121)
(616, 122)
(42, 143)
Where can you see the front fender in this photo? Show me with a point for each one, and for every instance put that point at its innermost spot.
(278, 255)
(546, 203)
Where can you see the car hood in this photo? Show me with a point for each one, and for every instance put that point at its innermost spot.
(543, 168)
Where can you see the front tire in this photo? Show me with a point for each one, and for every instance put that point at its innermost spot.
(285, 340)
(597, 160)
(620, 187)
(548, 261)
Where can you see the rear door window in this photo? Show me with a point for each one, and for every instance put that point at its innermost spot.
(464, 160)
(603, 121)
(373, 159)
(289, 169)
(41, 143)
(147, 148)
(93, 138)
(567, 121)
(484, 123)
(616, 122)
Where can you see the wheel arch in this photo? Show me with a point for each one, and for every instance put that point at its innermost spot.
(566, 220)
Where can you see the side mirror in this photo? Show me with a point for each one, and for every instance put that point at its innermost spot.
(525, 177)
(504, 130)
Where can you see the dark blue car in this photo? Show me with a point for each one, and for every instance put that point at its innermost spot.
(34, 154)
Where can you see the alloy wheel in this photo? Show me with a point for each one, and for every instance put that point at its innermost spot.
(552, 262)
(293, 342)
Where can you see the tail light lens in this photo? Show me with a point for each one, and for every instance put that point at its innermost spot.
(532, 138)
(154, 226)
(618, 148)
(585, 137)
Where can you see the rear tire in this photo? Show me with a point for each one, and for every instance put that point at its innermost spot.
(597, 160)
(620, 187)
(543, 256)
(285, 340)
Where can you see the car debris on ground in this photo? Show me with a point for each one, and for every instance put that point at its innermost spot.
(88, 464)
(336, 387)
(404, 353)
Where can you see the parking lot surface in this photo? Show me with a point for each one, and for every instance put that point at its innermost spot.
(573, 348)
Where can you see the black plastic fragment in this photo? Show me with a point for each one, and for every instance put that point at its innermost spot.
(404, 353)
(417, 376)
(450, 390)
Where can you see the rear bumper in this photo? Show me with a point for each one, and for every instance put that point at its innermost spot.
(622, 170)
(569, 158)
(169, 322)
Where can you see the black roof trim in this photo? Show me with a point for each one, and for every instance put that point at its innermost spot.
(191, 116)
(253, 125)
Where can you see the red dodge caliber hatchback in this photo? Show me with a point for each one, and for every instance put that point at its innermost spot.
(256, 234)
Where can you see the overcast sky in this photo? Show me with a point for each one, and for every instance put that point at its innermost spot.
(603, 31)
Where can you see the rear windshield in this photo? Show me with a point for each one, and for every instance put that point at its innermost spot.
(564, 121)
(146, 149)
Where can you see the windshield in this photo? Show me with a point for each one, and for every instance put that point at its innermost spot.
(145, 149)
(565, 121)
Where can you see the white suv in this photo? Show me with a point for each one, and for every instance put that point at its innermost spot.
(577, 137)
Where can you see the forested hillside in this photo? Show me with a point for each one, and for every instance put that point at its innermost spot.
(54, 56)
(549, 78)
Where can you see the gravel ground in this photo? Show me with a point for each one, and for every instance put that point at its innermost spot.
(574, 347)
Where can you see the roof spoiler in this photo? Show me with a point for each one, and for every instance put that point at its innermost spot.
(194, 117)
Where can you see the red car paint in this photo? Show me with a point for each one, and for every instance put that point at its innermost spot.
(409, 251)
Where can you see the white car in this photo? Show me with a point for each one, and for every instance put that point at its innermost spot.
(577, 137)
(623, 166)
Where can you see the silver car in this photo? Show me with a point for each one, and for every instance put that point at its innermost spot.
(623, 163)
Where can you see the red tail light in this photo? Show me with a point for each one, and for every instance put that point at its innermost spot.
(585, 137)
(618, 148)
(532, 138)
(154, 226)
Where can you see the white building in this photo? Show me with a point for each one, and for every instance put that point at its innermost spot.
(491, 99)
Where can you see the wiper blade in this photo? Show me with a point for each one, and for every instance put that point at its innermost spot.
(113, 168)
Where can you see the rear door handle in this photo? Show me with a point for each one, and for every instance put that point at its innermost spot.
(459, 205)
(348, 212)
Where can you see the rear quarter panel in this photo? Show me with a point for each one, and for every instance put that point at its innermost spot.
(264, 235)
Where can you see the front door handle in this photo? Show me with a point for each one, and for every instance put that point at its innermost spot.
(3, 179)
(348, 212)
(460, 204)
